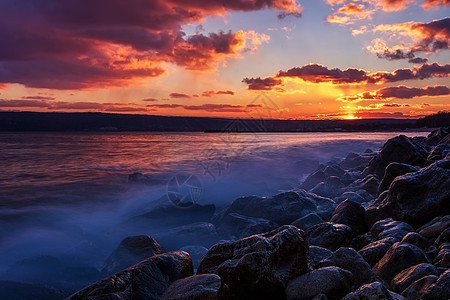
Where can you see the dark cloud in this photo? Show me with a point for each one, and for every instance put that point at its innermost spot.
(38, 98)
(217, 93)
(418, 60)
(150, 100)
(404, 92)
(259, 83)
(319, 73)
(179, 95)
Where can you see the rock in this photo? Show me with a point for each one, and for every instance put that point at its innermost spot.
(328, 190)
(442, 259)
(434, 228)
(444, 237)
(390, 228)
(203, 234)
(313, 179)
(399, 149)
(355, 161)
(198, 287)
(369, 183)
(399, 257)
(147, 280)
(351, 214)
(416, 239)
(349, 259)
(406, 277)
(325, 206)
(334, 170)
(440, 289)
(418, 288)
(329, 235)
(417, 198)
(307, 221)
(130, 251)
(259, 266)
(330, 280)
(370, 291)
(349, 177)
(352, 196)
(375, 251)
(438, 153)
(392, 171)
(317, 254)
(362, 240)
(196, 253)
(239, 226)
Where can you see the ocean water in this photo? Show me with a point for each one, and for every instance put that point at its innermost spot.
(66, 197)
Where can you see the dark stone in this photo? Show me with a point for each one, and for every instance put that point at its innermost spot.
(374, 291)
(438, 153)
(198, 287)
(130, 251)
(332, 281)
(442, 259)
(259, 266)
(418, 288)
(362, 240)
(329, 235)
(147, 280)
(349, 177)
(238, 226)
(434, 228)
(369, 183)
(334, 170)
(351, 214)
(406, 277)
(394, 170)
(399, 257)
(328, 190)
(352, 196)
(375, 251)
(355, 161)
(416, 239)
(317, 254)
(444, 237)
(313, 179)
(390, 228)
(307, 221)
(440, 289)
(325, 206)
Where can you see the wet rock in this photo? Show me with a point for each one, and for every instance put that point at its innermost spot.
(259, 266)
(349, 259)
(351, 214)
(418, 289)
(440, 289)
(130, 251)
(406, 277)
(399, 149)
(198, 287)
(147, 280)
(196, 253)
(356, 161)
(375, 251)
(239, 226)
(352, 196)
(329, 235)
(325, 206)
(331, 188)
(444, 237)
(392, 171)
(399, 257)
(442, 259)
(362, 240)
(203, 234)
(334, 170)
(369, 183)
(390, 228)
(434, 228)
(307, 221)
(349, 177)
(370, 291)
(438, 153)
(313, 179)
(317, 254)
(416, 239)
(329, 280)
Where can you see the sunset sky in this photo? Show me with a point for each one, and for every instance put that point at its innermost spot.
(307, 59)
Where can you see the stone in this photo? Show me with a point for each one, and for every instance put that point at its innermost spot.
(440, 289)
(399, 257)
(390, 228)
(329, 280)
(327, 190)
(349, 177)
(202, 233)
(307, 221)
(313, 179)
(352, 196)
(392, 171)
(407, 277)
(369, 183)
(334, 170)
(439, 152)
(418, 288)
(434, 227)
(317, 254)
(351, 214)
(356, 161)
(147, 280)
(442, 259)
(444, 237)
(198, 287)
(370, 291)
(375, 251)
(329, 235)
(238, 226)
(325, 206)
(259, 266)
(130, 251)
(416, 239)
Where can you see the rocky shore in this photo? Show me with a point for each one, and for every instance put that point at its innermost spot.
(375, 225)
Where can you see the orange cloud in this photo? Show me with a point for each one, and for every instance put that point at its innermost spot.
(427, 4)
(350, 13)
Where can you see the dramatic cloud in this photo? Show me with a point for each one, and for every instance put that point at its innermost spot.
(265, 84)
(179, 95)
(427, 4)
(350, 13)
(78, 44)
(217, 93)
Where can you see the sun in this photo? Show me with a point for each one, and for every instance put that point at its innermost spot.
(350, 117)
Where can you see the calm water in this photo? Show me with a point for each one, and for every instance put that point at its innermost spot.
(67, 195)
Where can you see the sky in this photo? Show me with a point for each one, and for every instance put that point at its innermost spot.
(306, 59)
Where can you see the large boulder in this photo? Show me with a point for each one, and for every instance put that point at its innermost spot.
(130, 251)
(418, 289)
(435, 227)
(352, 214)
(198, 287)
(418, 197)
(399, 149)
(329, 235)
(440, 289)
(416, 239)
(370, 291)
(390, 228)
(313, 179)
(375, 251)
(238, 226)
(406, 277)
(329, 280)
(259, 266)
(316, 255)
(392, 171)
(147, 280)
(399, 257)
(369, 184)
(203, 234)
(307, 221)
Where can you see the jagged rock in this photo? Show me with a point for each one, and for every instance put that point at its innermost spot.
(440, 289)
(351, 214)
(334, 170)
(434, 228)
(198, 287)
(356, 161)
(392, 171)
(390, 228)
(307, 221)
(442, 259)
(130, 251)
(313, 179)
(196, 253)
(203, 234)
(416, 239)
(370, 291)
(349, 259)
(147, 280)
(352, 196)
(438, 153)
(329, 280)
(317, 254)
(259, 266)
(349, 177)
(399, 257)
(444, 237)
(331, 188)
(375, 251)
(399, 149)
(369, 183)
(418, 197)
(239, 226)
(329, 235)
(407, 277)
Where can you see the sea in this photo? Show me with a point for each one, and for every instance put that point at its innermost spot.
(68, 198)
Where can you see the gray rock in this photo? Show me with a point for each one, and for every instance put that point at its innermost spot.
(370, 291)
(238, 226)
(334, 170)
(259, 266)
(442, 259)
(440, 289)
(351, 214)
(329, 235)
(352, 196)
(375, 251)
(406, 277)
(317, 254)
(390, 228)
(327, 190)
(130, 251)
(399, 257)
(418, 288)
(330, 280)
(369, 183)
(198, 287)
(307, 221)
(203, 234)
(394, 170)
(325, 206)
(416, 239)
(147, 280)
(434, 228)
(313, 179)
